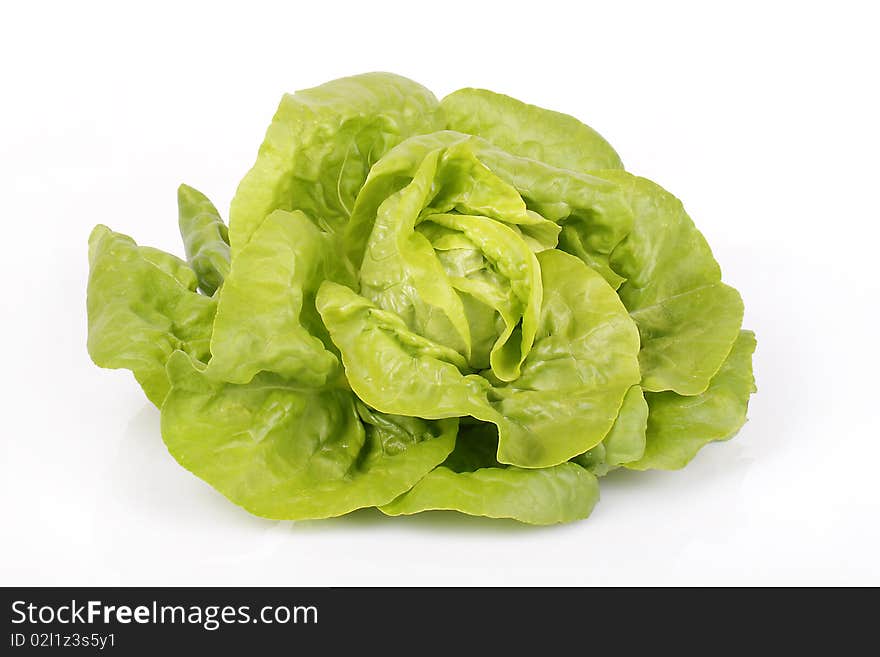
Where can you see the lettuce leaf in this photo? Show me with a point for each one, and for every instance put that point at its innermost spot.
(561, 493)
(205, 238)
(266, 319)
(679, 426)
(687, 318)
(472, 481)
(528, 130)
(288, 452)
(142, 306)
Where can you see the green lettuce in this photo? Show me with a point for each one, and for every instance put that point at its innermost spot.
(465, 304)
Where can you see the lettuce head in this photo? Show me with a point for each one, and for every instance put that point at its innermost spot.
(466, 304)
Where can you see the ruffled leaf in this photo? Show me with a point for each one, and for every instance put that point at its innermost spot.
(266, 318)
(289, 452)
(205, 238)
(142, 306)
(321, 145)
(679, 426)
(572, 384)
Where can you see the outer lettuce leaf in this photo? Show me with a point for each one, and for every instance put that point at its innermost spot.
(205, 238)
(573, 381)
(321, 145)
(679, 426)
(688, 319)
(142, 306)
(530, 131)
(471, 481)
(626, 440)
(266, 318)
(285, 452)
(562, 493)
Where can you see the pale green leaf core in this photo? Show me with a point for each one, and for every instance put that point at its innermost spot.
(573, 381)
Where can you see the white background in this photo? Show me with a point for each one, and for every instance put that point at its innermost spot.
(763, 118)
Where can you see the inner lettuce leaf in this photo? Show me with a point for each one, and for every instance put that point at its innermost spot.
(573, 381)
(461, 305)
(472, 176)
